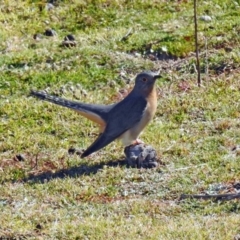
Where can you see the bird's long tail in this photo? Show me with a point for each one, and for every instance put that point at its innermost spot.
(95, 112)
(57, 100)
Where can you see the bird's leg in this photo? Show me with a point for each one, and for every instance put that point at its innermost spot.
(137, 142)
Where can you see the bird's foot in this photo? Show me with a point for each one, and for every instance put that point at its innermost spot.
(137, 142)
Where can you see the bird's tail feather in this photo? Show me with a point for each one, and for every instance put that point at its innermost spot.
(57, 100)
(96, 109)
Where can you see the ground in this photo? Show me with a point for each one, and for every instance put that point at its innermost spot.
(48, 193)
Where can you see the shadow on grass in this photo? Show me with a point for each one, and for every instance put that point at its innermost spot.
(72, 172)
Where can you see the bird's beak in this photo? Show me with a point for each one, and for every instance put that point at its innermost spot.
(157, 76)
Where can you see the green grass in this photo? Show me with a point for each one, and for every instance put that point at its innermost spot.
(54, 195)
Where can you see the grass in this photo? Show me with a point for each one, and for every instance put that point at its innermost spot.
(47, 193)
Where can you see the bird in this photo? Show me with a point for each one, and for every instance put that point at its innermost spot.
(123, 120)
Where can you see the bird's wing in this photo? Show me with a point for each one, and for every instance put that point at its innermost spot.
(94, 112)
(122, 117)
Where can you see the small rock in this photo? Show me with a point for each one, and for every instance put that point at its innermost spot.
(71, 150)
(76, 151)
(69, 41)
(141, 156)
(39, 226)
(206, 18)
(228, 49)
(50, 32)
(69, 37)
(68, 44)
(19, 158)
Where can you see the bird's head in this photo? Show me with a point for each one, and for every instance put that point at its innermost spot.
(144, 82)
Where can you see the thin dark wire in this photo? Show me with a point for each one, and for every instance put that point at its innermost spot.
(196, 43)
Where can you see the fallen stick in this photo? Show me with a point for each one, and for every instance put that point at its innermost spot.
(217, 197)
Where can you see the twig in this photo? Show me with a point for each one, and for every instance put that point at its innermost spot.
(206, 57)
(217, 197)
(36, 161)
(196, 43)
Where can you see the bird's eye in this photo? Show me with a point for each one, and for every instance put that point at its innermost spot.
(144, 79)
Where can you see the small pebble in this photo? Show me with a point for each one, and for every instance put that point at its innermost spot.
(69, 41)
(76, 151)
(206, 18)
(38, 226)
(228, 49)
(71, 150)
(68, 44)
(20, 158)
(50, 32)
(69, 37)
